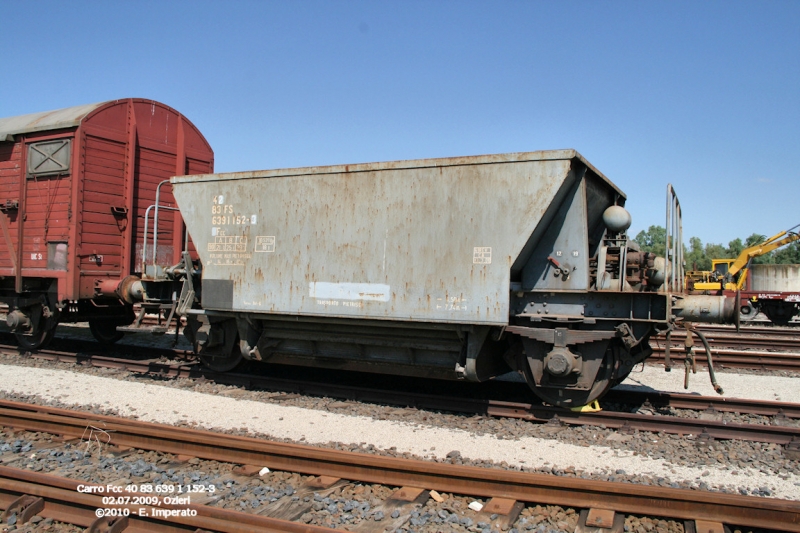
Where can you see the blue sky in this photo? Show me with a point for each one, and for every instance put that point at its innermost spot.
(705, 95)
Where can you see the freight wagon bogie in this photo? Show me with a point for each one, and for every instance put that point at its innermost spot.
(779, 312)
(460, 268)
(75, 185)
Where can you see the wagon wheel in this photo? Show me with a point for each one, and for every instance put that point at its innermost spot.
(221, 363)
(105, 331)
(43, 321)
(36, 341)
(567, 398)
(779, 313)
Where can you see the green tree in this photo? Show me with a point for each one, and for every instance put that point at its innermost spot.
(698, 257)
(695, 257)
(735, 247)
(788, 255)
(653, 240)
(754, 239)
(715, 251)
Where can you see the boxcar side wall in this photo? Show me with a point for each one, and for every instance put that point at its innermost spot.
(36, 210)
(101, 205)
(46, 211)
(176, 148)
(10, 171)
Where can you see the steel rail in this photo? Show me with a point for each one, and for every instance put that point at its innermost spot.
(734, 358)
(747, 511)
(63, 502)
(752, 328)
(716, 429)
(737, 341)
(762, 360)
(694, 402)
(130, 365)
(544, 413)
(148, 365)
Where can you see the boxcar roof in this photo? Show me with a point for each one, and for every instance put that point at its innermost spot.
(69, 117)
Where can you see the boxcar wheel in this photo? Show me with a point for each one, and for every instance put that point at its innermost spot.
(39, 340)
(105, 331)
(223, 364)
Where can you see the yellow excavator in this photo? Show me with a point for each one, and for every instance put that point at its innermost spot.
(731, 274)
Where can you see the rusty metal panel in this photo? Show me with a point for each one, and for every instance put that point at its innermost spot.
(46, 209)
(10, 171)
(427, 240)
(103, 219)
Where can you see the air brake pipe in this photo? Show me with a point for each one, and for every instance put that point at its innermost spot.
(667, 362)
(688, 362)
(711, 374)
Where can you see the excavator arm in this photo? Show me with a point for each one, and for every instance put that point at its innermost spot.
(731, 274)
(774, 242)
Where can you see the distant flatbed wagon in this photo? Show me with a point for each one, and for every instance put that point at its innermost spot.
(775, 291)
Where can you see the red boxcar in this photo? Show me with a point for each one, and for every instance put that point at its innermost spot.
(75, 186)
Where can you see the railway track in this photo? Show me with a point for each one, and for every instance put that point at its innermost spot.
(783, 427)
(755, 348)
(723, 358)
(506, 491)
(753, 328)
(701, 403)
(25, 494)
(738, 340)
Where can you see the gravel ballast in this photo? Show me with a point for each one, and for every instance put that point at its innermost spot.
(176, 405)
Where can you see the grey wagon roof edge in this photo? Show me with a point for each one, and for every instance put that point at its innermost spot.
(542, 155)
(68, 117)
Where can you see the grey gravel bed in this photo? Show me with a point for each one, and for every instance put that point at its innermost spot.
(731, 455)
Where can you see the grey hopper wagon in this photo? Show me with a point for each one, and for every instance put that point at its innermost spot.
(455, 268)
